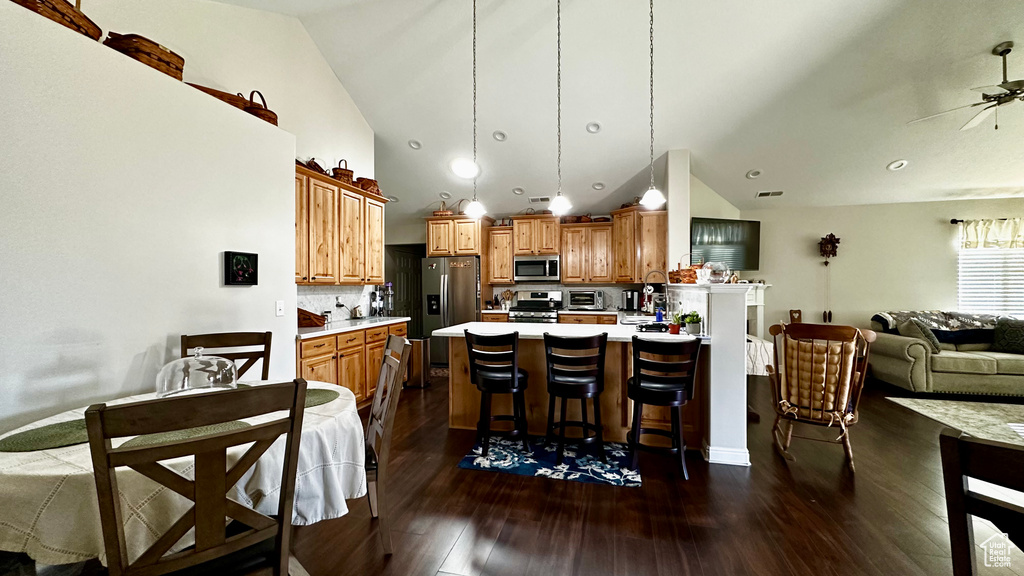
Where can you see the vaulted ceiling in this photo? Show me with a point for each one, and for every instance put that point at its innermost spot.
(817, 95)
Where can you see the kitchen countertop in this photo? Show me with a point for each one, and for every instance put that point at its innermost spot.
(594, 312)
(530, 331)
(342, 326)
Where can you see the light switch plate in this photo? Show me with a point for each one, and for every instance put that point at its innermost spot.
(280, 307)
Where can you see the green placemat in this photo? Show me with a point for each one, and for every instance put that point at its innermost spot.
(187, 433)
(46, 437)
(314, 396)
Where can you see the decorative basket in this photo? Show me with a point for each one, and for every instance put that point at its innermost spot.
(237, 100)
(148, 52)
(368, 184)
(570, 219)
(443, 211)
(586, 218)
(65, 14)
(343, 174)
(308, 319)
(602, 219)
(261, 112)
(312, 165)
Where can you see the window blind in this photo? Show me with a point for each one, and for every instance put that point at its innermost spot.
(991, 281)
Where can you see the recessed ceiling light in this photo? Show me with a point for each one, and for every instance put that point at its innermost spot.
(753, 174)
(896, 165)
(517, 191)
(445, 195)
(415, 144)
(594, 127)
(597, 185)
(500, 136)
(465, 168)
(393, 198)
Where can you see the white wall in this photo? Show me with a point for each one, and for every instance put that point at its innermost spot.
(706, 203)
(238, 50)
(677, 191)
(120, 188)
(891, 257)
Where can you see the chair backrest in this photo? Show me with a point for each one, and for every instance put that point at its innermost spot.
(576, 356)
(819, 371)
(212, 477)
(993, 462)
(385, 399)
(666, 362)
(493, 353)
(213, 343)
(796, 316)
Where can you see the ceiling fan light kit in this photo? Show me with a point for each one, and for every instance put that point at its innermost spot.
(992, 97)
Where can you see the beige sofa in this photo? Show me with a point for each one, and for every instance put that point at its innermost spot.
(963, 368)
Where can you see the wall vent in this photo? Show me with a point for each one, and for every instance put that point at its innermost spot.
(769, 193)
(540, 199)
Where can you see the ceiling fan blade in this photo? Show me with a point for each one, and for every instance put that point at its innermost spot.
(979, 117)
(946, 112)
(993, 90)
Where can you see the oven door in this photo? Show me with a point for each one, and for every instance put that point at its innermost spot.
(536, 269)
(585, 300)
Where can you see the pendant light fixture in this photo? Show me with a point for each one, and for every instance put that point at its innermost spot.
(475, 209)
(560, 205)
(653, 198)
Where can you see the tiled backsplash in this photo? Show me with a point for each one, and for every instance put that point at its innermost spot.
(316, 299)
(612, 292)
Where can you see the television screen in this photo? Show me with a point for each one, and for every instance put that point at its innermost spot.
(737, 243)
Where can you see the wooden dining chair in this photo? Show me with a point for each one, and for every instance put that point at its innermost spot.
(213, 479)
(222, 343)
(378, 432)
(817, 379)
(997, 463)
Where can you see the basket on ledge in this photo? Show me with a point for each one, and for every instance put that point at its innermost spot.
(65, 14)
(148, 52)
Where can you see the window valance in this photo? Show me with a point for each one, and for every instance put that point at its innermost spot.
(1007, 233)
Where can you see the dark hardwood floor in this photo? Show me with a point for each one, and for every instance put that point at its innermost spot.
(811, 517)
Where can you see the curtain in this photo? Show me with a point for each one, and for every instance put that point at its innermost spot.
(1008, 233)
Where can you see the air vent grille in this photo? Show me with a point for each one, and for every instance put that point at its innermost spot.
(769, 193)
(540, 199)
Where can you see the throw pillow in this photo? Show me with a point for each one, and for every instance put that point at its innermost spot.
(914, 328)
(1009, 336)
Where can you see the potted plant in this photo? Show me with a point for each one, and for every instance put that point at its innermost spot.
(692, 321)
(673, 326)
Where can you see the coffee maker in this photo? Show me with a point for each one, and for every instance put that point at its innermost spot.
(630, 300)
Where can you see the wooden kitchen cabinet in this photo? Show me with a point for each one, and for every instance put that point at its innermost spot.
(373, 216)
(588, 319)
(339, 232)
(456, 235)
(534, 235)
(352, 371)
(500, 265)
(493, 317)
(640, 243)
(320, 368)
(301, 229)
(323, 232)
(374, 357)
(587, 253)
(351, 359)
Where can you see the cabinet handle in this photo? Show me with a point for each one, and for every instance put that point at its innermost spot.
(314, 278)
(340, 356)
(320, 345)
(351, 339)
(303, 277)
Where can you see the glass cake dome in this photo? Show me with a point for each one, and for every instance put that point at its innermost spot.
(196, 373)
(716, 272)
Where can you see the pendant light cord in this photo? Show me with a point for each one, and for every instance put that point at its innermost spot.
(558, 83)
(652, 93)
(474, 98)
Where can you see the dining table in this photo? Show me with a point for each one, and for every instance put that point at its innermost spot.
(48, 503)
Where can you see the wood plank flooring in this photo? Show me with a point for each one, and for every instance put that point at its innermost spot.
(811, 517)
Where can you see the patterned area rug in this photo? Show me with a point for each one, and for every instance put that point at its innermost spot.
(507, 456)
(979, 419)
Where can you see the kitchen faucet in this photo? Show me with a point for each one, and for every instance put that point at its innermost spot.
(651, 292)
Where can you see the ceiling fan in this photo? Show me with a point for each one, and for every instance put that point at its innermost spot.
(992, 97)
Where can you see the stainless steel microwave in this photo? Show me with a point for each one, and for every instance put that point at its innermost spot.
(536, 269)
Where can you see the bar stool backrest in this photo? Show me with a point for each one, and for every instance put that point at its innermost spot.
(576, 356)
(666, 362)
(498, 353)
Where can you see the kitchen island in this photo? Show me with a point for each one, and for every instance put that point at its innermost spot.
(715, 421)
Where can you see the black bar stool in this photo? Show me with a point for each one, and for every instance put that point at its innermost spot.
(576, 371)
(663, 373)
(494, 369)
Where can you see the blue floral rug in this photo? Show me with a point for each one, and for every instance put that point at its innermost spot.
(506, 455)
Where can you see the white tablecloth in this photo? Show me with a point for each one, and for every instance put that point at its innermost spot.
(48, 505)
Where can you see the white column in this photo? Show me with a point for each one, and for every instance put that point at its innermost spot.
(726, 441)
(677, 190)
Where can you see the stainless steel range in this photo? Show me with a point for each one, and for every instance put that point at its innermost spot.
(536, 307)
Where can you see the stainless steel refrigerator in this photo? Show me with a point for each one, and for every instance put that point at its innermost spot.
(451, 295)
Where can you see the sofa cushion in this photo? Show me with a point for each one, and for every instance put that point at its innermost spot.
(1009, 336)
(948, 346)
(914, 328)
(979, 347)
(964, 363)
(1006, 363)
